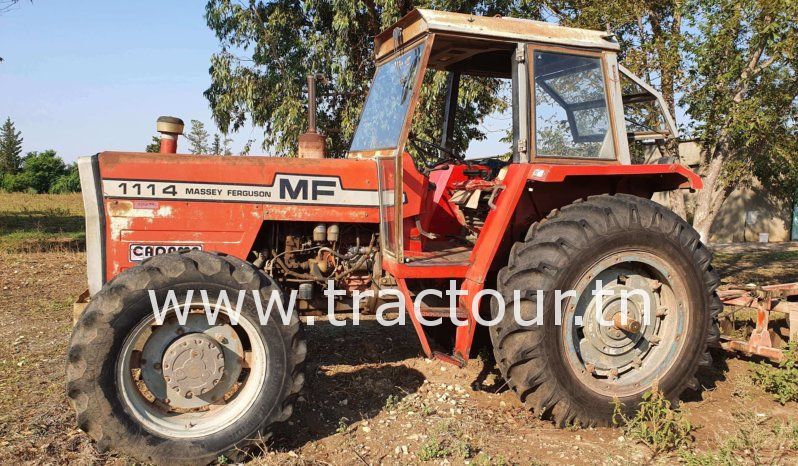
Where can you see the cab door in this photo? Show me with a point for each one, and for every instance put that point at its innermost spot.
(382, 133)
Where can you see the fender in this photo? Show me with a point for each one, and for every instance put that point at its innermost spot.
(531, 191)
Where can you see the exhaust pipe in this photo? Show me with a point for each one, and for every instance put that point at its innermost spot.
(170, 128)
(311, 144)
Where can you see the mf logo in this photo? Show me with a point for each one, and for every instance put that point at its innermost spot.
(297, 188)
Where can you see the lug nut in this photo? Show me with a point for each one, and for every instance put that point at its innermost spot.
(654, 339)
(655, 284)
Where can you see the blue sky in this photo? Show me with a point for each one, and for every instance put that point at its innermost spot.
(86, 76)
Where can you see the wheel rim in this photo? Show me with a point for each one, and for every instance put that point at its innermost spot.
(194, 379)
(617, 358)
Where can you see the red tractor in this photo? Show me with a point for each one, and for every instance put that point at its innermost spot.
(567, 211)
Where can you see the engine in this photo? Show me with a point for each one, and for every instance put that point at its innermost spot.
(306, 257)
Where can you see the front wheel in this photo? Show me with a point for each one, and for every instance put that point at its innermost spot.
(184, 390)
(612, 253)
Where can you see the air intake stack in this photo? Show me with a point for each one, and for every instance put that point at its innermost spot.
(170, 128)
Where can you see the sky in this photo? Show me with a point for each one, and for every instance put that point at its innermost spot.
(82, 77)
(87, 76)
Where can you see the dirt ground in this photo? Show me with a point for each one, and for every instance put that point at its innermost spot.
(370, 398)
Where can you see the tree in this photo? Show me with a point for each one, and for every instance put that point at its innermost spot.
(68, 182)
(197, 138)
(10, 148)
(154, 146)
(221, 145)
(40, 170)
(268, 49)
(741, 93)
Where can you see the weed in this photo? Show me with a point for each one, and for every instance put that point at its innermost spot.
(433, 448)
(484, 459)
(752, 443)
(781, 381)
(573, 426)
(221, 460)
(656, 423)
(427, 410)
(445, 441)
(392, 402)
(342, 425)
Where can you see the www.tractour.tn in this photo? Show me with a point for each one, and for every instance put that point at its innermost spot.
(397, 305)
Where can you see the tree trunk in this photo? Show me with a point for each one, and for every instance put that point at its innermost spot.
(677, 204)
(711, 198)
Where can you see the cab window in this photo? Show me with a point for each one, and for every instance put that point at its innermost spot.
(571, 117)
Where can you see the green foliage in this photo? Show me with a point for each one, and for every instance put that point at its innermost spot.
(41, 169)
(197, 138)
(655, 423)
(268, 49)
(221, 145)
(741, 88)
(154, 146)
(68, 182)
(10, 148)
(781, 381)
(42, 172)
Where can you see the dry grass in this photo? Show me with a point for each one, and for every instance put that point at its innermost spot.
(41, 222)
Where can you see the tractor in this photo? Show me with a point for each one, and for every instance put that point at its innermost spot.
(405, 216)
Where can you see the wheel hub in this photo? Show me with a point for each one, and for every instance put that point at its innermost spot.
(165, 357)
(193, 365)
(616, 355)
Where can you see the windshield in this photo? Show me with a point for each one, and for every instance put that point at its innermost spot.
(386, 107)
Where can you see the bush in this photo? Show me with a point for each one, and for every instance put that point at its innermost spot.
(13, 182)
(781, 381)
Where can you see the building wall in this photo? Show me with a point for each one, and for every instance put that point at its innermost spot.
(745, 214)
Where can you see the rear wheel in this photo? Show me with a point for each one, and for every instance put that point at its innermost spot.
(574, 369)
(187, 391)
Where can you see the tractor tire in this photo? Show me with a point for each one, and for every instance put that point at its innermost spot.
(576, 373)
(120, 359)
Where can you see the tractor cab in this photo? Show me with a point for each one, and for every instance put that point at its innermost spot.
(574, 111)
(571, 104)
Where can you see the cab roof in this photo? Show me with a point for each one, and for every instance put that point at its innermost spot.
(421, 21)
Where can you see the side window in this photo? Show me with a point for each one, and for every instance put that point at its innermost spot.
(571, 117)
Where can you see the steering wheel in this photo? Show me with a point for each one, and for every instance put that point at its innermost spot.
(432, 153)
